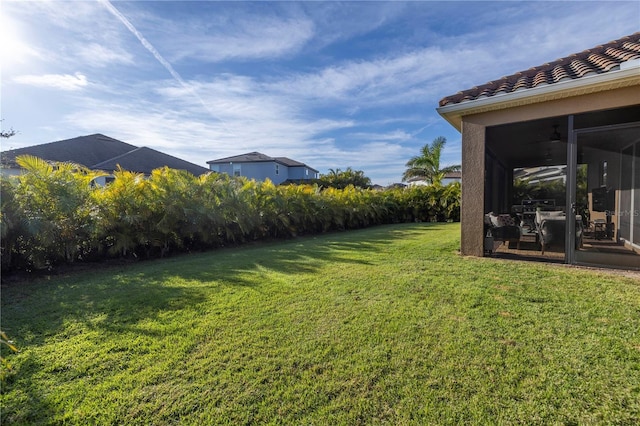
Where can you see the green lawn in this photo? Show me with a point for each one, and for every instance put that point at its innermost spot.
(385, 325)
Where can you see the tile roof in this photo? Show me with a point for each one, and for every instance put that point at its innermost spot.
(101, 152)
(598, 60)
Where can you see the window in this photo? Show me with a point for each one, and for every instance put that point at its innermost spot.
(277, 169)
(306, 171)
(236, 170)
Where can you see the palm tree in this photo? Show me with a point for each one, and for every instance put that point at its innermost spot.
(426, 166)
(340, 179)
(58, 212)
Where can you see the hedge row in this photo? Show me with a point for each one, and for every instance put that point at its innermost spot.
(52, 215)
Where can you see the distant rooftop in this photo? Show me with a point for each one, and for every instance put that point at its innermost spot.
(100, 152)
(258, 157)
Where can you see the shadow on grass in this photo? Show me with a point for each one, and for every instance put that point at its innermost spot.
(40, 310)
(121, 299)
(299, 256)
(35, 409)
(126, 295)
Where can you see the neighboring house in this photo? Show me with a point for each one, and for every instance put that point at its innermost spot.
(398, 185)
(448, 178)
(583, 109)
(99, 152)
(451, 177)
(258, 166)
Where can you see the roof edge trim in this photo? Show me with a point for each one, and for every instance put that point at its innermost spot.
(598, 82)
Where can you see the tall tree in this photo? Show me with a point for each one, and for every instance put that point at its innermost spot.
(426, 166)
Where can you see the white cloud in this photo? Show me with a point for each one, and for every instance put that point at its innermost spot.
(276, 117)
(364, 97)
(243, 37)
(403, 78)
(340, 21)
(395, 135)
(99, 55)
(178, 124)
(65, 82)
(66, 33)
(250, 113)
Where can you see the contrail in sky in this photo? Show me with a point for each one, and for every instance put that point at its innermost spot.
(159, 58)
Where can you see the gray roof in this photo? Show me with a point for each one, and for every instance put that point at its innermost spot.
(289, 162)
(103, 153)
(453, 175)
(84, 150)
(145, 160)
(258, 157)
(250, 157)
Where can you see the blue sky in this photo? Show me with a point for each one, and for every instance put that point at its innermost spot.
(332, 84)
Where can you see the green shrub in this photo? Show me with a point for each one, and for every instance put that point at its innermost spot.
(55, 214)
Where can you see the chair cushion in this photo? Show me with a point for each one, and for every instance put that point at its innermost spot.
(506, 220)
(542, 215)
(552, 232)
(499, 220)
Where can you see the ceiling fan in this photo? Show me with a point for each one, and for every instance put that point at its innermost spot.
(554, 138)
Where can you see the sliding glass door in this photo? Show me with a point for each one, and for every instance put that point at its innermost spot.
(565, 189)
(604, 195)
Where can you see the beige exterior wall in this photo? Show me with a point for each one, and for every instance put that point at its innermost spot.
(473, 148)
(472, 204)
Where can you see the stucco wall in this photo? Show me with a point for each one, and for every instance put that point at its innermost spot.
(472, 205)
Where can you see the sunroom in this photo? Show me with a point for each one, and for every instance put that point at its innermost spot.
(551, 160)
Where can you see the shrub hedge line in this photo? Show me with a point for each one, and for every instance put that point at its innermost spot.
(52, 215)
